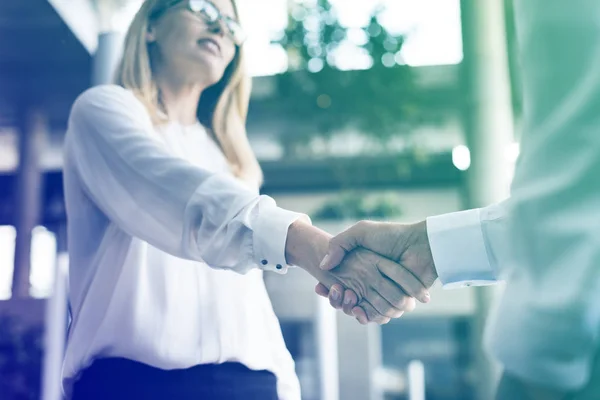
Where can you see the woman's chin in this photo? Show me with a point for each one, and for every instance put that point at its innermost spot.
(208, 74)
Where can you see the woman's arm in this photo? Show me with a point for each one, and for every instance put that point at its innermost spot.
(175, 206)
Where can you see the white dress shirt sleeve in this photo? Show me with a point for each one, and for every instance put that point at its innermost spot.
(469, 247)
(547, 328)
(164, 200)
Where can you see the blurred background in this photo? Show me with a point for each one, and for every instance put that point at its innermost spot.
(360, 109)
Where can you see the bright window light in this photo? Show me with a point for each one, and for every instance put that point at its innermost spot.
(348, 57)
(433, 28)
(461, 157)
(43, 262)
(512, 152)
(126, 11)
(8, 235)
(264, 21)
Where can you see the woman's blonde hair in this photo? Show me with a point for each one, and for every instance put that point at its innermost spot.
(223, 107)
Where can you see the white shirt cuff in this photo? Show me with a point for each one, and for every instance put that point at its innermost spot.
(270, 236)
(458, 249)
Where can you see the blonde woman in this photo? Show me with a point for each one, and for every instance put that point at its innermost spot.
(168, 236)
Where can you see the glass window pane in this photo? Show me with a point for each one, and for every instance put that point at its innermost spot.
(432, 29)
(43, 262)
(8, 235)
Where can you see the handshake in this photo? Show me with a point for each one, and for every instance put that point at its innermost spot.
(373, 271)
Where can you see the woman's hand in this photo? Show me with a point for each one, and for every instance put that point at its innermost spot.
(407, 244)
(362, 271)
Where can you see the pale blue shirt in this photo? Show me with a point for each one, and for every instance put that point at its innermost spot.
(546, 239)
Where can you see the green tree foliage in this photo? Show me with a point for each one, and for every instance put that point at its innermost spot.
(353, 205)
(379, 101)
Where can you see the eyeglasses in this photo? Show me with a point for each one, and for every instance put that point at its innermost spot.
(210, 14)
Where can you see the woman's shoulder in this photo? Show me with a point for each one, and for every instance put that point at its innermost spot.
(108, 100)
(110, 95)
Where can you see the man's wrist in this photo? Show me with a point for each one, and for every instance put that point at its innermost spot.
(423, 239)
(458, 249)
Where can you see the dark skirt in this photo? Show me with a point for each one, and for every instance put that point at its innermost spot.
(120, 379)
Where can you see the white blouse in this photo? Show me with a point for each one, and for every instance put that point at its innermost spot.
(164, 246)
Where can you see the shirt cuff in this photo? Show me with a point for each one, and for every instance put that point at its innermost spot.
(458, 249)
(270, 235)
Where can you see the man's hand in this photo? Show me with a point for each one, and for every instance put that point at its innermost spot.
(361, 271)
(408, 245)
(366, 274)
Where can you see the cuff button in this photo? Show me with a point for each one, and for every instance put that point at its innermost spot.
(264, 262)
(278, 266)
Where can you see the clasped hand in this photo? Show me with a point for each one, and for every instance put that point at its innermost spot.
(373, 279)
(377, 270)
